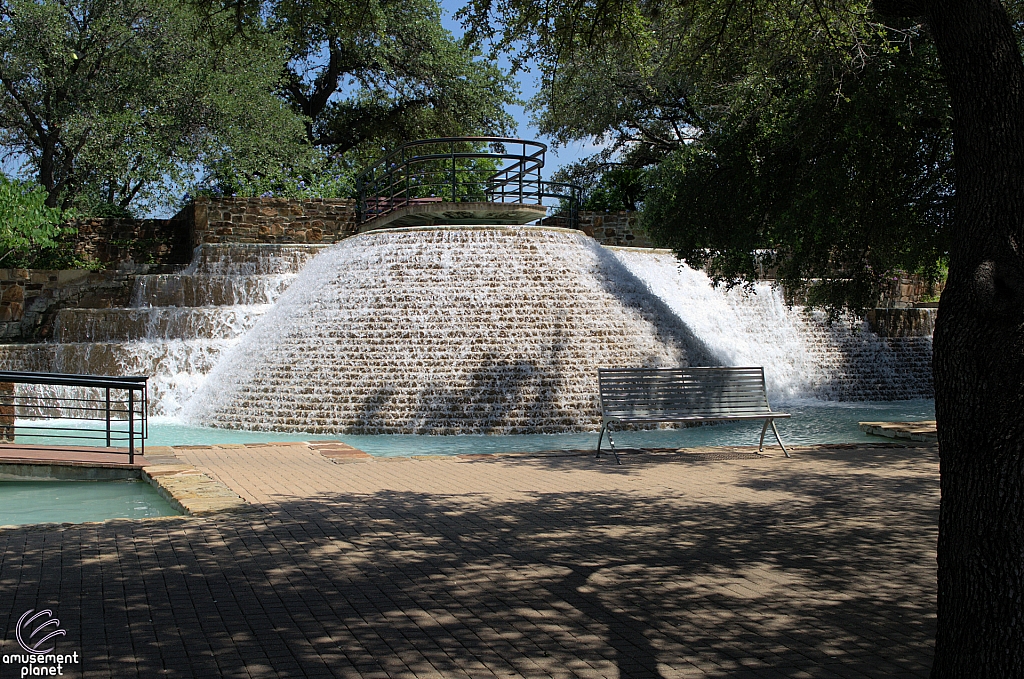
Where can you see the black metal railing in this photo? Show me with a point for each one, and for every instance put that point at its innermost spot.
(461, 170)
(115, 407)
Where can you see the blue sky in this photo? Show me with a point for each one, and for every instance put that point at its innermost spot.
(528, 87)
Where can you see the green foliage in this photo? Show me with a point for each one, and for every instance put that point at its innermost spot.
(119, 101)
(365, 77)
(844, 183)
(808, 139)
(307, 176)
(377, 73)
(30, 230)
(607, 187)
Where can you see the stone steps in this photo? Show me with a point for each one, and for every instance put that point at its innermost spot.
(244, 259)
(157, 323)
(197, 290)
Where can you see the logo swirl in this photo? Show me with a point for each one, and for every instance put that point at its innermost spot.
(46, 627)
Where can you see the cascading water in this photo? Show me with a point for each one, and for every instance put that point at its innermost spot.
(803, 355)
(177, 327)
(450, 330)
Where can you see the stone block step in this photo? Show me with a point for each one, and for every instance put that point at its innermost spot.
(167, 323)
(251, 259)
(190, 290)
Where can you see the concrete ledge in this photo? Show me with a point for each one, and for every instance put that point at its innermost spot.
(42, 470)
(191, 491)
(445, 213)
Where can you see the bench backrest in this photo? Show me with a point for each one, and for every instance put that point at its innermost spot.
(651, 393)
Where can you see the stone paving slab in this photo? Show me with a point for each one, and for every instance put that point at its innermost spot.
(191, 491)
(670, 565)
(923, 430)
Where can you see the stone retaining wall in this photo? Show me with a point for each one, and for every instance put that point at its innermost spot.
(271, 220)
(614, 228)
(607, 228)
(135, 245)
(896, 322)
(910, 291)
(30, 298)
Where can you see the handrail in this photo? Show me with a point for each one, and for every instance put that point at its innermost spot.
(86, 406)
(461, 169)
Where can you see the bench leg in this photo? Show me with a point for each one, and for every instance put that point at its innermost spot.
(779, 439)
(611, 443)
(764, 429)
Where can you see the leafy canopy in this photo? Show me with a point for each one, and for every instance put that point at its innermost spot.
(365, 76)
(118, 101)
(807, 139)
(112, 104)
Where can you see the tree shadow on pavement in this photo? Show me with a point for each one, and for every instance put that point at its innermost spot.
(796, 574)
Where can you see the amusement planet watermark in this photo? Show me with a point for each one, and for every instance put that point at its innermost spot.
(37, 634)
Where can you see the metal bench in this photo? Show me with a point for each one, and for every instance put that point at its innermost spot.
(644, 395)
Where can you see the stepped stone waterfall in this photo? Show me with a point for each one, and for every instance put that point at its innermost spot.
(495, 329)
(804, 356)
(177, 327)
(457, 329)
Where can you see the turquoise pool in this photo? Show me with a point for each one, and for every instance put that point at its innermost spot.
(25, 502)
(812, 422)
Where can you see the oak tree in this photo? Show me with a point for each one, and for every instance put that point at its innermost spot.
(119, 101)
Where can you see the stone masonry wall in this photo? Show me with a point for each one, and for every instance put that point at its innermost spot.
(614, 228)
(30, 298)
(136, 245)
(272, 220)
(607, 228)
(911, 291)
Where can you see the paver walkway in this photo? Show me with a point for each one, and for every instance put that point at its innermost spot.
(666, 566)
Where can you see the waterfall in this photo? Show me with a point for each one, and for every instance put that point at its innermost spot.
(804, 356)
(451, 330)
(176, 329)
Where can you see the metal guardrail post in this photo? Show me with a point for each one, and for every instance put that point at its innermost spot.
(145, 421)
(451, 146)
(360, 198)
(108, 417)
(522, 171)
(131, 427)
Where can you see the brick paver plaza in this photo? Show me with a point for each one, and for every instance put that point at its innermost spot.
(671, 565)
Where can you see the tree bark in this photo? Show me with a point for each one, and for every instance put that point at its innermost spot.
(979, 350)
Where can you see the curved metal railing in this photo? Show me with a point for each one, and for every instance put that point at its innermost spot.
(462, 170)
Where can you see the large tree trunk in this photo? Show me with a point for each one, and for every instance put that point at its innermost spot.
(979, 350)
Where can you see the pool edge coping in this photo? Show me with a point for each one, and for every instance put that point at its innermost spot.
(186, 489)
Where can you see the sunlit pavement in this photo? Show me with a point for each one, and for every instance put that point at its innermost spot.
(670, 565)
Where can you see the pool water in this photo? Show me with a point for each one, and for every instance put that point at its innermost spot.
(25, 502)
(812, 422)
